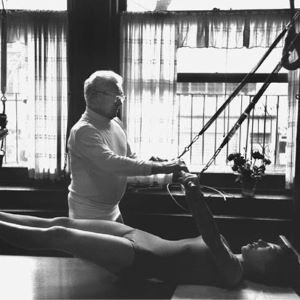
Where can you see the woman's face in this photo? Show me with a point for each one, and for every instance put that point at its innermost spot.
(256, 255)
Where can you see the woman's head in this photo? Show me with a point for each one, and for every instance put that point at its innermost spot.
(269, 263)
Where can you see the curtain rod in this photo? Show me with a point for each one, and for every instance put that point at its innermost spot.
(213, 11)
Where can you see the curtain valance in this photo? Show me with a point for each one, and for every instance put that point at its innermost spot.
(219, 29)
(20, 22)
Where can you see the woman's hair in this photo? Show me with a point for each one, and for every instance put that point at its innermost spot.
(284, 270)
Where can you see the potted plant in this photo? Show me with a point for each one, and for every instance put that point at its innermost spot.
(249, 171)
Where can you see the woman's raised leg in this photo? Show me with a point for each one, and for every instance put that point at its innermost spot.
(25, 220)
(111, 252)
(92, 225)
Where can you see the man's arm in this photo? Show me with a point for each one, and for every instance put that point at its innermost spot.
(93, 148)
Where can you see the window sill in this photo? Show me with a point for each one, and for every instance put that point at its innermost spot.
(18, 177)
(46, 201)
(265, 204)
(272, 200)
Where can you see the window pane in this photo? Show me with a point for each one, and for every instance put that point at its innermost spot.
(211, 60)
(264, 129)
(36, 93)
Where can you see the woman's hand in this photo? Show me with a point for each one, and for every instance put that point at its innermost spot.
(187, 179)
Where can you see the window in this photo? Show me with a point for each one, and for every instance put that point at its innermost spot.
(165, 110)
(36, 90)
(200, 99)
(190, 5)
(36, 4)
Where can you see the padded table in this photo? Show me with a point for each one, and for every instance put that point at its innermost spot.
(33, 277)
(247, 290)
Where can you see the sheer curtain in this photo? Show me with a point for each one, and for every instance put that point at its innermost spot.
(149, 43)
(149, 70)
(39, 38)
(294, 90)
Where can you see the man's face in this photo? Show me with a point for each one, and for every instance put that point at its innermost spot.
(109, 102)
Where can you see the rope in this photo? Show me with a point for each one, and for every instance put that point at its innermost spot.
(201, 187)
(241, 85)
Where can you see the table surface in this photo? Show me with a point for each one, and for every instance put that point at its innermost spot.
(247, 291)
(32, 277)
(35, 277)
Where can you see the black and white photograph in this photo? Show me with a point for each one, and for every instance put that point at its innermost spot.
(150, 149)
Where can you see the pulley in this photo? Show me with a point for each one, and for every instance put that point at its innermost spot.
(288, 49)
(286, 53)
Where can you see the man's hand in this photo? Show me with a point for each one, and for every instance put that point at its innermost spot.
(156, 158)
(173, 166)
(133, 156)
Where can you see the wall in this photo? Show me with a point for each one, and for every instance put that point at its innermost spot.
(93, 44)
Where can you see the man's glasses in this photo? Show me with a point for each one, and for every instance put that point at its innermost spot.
(120, 98)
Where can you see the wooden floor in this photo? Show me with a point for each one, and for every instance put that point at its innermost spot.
(28, 277)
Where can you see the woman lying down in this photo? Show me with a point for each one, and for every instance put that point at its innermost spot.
(206, 259)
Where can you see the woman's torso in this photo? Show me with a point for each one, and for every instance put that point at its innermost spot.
(187, 261)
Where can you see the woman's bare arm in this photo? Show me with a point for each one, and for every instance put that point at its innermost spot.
(202, 215)
(225, 260)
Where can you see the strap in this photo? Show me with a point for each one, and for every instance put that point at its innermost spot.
(3, 117)
(243, 116)
(249, 108)
(3, 58)
(3, 50)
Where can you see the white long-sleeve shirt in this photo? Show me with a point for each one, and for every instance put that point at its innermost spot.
(100, 163)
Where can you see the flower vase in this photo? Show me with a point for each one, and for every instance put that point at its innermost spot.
(248, 187)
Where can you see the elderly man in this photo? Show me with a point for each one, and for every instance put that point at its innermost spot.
(100, 156)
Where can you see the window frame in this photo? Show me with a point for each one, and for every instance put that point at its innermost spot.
(231, 185)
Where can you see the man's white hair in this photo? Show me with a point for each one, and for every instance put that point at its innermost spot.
(104, 80)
